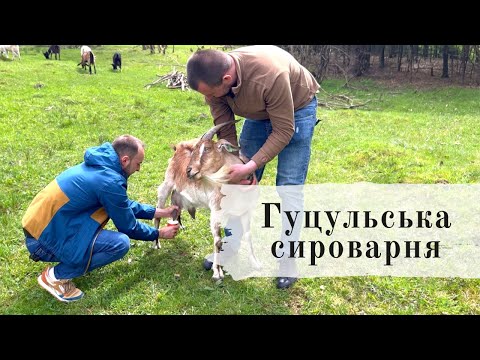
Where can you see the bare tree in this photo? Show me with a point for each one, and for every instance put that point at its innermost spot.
(465, 58)
(382, 57)
(362, 59)
(445, 62)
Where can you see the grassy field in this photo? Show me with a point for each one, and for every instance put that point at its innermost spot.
(51, 111)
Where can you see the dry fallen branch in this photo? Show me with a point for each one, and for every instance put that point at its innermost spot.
(174, 80)
(339, 102)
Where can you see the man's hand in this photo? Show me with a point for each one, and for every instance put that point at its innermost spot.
(252, 180)
(168, 232)
(239, 172)
(167, 212)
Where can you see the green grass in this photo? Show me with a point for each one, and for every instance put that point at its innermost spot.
(405, 135)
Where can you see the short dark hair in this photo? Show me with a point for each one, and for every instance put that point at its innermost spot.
(207, 66)
(127, 145)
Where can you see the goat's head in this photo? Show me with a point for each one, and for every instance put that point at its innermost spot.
(208, 156)
(46, 54)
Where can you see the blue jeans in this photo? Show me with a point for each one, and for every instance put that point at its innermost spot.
(292, 167)
(293, 160)
(109, 247)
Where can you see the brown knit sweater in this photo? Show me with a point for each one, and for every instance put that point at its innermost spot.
(271, 85)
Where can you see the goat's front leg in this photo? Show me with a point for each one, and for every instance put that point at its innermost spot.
(247, 237)
(162, 193)
(217, 247)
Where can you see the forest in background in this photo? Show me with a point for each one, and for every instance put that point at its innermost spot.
(459, 63)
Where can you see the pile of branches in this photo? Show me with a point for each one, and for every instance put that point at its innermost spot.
(174, 80)
(338, 101)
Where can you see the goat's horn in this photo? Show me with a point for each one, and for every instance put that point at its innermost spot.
(209, 134)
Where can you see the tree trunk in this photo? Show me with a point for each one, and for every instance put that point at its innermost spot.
(465, 55)
(410, 59)
(425, 52)
(362, 60)
(445, 62)
(382, 57)
(399, 60)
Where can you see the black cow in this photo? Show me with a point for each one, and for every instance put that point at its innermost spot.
(117, 61)
(53, 49)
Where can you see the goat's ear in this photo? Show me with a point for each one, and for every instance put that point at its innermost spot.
(224, 144)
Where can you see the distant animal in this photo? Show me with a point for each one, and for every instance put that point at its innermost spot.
(84, 49)
(117, 61)
(14, 49)
(88, 59)
(53, 49)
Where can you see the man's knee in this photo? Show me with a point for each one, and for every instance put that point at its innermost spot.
(122, 245)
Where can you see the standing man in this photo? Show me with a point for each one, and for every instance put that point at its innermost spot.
(64, 223)
(276, 96)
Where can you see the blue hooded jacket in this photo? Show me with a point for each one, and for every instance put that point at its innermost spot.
(66, 215)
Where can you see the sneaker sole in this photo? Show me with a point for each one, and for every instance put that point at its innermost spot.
(51, 291)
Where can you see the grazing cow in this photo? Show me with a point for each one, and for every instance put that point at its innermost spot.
(88, 59)
(117, 61)
(53, 49)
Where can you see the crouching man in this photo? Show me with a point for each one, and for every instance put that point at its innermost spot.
(65, 221)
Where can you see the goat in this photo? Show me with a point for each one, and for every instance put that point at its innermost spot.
(53, 49)
(117, 61)
(14, 49)
(194, 178)
(88, 59)
(84, 49)
(3, 50)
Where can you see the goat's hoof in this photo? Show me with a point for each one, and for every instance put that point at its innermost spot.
(217, 275)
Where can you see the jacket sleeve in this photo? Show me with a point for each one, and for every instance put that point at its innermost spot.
(113, 197)
(142, 211)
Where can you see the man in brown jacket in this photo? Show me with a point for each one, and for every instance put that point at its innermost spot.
(276, 96)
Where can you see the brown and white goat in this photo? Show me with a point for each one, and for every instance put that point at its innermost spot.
(88, 59)
(194, 178)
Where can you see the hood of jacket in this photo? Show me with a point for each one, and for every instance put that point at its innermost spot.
(104, 156)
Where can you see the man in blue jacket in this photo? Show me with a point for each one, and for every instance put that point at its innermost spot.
(65, 221)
